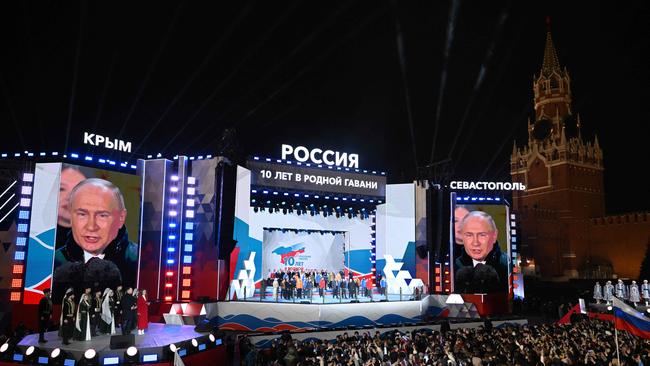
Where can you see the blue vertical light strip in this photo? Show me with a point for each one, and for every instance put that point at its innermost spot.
(189, 214)
(24, 206)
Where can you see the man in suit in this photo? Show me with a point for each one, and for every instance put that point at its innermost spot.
(129, 311)
(482, 267)
(98, 244)
(44, 314)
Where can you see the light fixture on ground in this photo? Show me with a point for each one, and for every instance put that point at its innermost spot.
(131, 355)
(89, 358)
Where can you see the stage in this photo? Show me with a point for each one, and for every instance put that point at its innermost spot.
(327, 298)
(155, 341)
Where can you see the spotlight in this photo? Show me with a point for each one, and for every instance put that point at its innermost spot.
(89, 358)
(609, 308)
(213, 339)
(195, 343)
(131, 355)
(30, 355)
(4, 348)
(56, 356)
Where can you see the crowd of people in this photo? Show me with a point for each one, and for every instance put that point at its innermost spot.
(289, 285)
(590, 342)
(95, 314)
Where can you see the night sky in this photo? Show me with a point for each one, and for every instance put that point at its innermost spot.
(170, 77)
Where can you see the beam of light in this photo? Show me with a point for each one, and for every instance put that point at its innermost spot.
(261, 81)
(102, 98)
(490, 93)
(481, 76)
(252, 51)
(151, 68)
(8, 188)
(75, 75)
(213, 50)
(8, 213)
(508, 137)
(451, 25)
(407, 96)
(360, 25)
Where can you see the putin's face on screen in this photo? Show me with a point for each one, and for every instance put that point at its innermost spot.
(478, 237)
(96, 218)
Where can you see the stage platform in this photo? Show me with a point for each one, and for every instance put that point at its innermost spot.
(153, 342)
(328, 298)
(263, 316)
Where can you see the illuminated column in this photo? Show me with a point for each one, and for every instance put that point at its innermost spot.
(22, 236)
(188, 238)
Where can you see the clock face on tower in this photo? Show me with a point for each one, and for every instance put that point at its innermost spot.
(542, 129)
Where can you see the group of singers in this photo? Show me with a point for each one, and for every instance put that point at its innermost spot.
(96, 314)
(291, 285)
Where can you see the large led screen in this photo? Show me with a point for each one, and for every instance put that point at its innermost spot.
(479, 247)
(86, 232)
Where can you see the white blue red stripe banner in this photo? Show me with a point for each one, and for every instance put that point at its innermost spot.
(627, 318)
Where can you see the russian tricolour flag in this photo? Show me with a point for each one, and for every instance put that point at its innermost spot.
(627, 318)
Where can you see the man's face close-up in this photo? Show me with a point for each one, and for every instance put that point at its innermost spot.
(96, 218)
(478, 238)
(69, 179)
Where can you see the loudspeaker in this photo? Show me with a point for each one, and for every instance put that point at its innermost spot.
(224, 192)
(122, 341)
(305, 302)
(354, 301)
(206, 325)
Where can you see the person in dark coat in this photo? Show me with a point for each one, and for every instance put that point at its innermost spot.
(96, 313)
(119, 293)
(44, 314)
(68, 315)
(82, 324)
(129, 311)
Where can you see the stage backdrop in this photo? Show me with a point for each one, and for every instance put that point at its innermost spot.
(246, 258)
(302, 250)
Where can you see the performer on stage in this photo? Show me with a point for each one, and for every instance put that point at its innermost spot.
(128, 315)
(107, 322)
(620, 290)
(82, 324)
(321, 286)
(119, 293)
(609, 292)
(275, 289)
(96, 313)
(68, 317)
(634, 293)
(143, 312)
(65, 298)
(598, 293)
(44, 314)
(645, 291)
